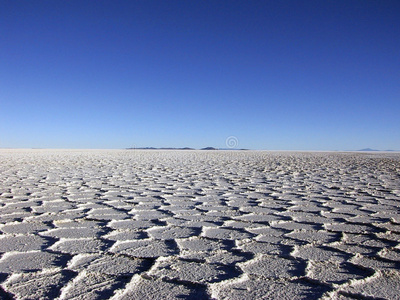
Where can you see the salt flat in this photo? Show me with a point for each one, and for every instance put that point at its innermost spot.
(137, 224)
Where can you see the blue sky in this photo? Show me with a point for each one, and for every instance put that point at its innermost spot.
(305, 75)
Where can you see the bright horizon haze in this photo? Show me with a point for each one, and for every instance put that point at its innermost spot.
(276, 75)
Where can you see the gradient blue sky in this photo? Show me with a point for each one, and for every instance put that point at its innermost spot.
(306, 75)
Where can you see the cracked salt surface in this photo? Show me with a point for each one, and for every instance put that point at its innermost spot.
(100, 224)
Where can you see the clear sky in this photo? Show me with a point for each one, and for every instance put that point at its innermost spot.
(305, 75)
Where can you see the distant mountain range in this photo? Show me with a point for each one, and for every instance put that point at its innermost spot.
(184, 148)
(154, 148)
(369, 149)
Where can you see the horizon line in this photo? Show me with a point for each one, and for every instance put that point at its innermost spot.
(198, 149)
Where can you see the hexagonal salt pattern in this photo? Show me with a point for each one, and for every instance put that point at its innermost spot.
(149, 224)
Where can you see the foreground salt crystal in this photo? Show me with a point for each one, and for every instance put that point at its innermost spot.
(119, 224)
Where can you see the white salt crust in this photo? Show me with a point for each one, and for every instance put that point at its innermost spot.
(149, 224)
